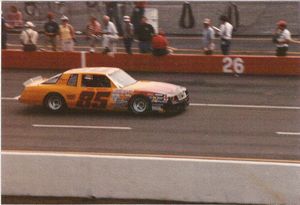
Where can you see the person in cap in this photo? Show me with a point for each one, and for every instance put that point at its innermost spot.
(51, 29)
(66, 34)
(128, 33)
(208, 36)
(29, 37)
(282, 38)
(110, 36)
(93, 32)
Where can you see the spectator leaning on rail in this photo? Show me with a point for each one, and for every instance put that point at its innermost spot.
(208, 34)
(225, 33)
(282, 38)
(160, 44)
(128, 33)
(15, 17)
(51, 31)
(93, 32)
(29, 37)
(110, 36)
(66, 34)
(144, 34)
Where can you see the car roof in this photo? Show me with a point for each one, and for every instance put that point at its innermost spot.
(93, 70)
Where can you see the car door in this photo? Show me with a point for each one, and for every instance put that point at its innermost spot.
(95, 91)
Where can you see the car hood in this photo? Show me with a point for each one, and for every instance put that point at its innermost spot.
(156, 87)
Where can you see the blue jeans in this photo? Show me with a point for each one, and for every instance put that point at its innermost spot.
(145, 46)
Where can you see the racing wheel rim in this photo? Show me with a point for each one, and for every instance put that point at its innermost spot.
(140, 105)
(55, 102)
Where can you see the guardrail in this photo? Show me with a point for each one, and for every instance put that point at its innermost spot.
(187, 180)
(216, 64)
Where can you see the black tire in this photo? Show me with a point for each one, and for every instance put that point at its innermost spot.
(140, 105)
(55, 102)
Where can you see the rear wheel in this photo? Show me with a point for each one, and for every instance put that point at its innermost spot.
(55, 102)
(140, 105)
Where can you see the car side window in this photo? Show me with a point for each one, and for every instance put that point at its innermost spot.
(97, 81)
(73, 80)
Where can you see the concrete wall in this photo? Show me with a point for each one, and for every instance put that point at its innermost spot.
(256, 18)
(216, 64)
(211, 181)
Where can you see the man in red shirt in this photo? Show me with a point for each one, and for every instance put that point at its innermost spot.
(160, 44)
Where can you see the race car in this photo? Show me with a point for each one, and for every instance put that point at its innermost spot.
(103, 88)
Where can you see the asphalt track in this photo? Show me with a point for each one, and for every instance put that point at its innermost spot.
(242, 117)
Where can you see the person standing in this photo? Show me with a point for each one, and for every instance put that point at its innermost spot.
(144, 34)
(225, 33)
(93, 32)
(138, 13)
(128, 33)
(208, 37)
(110, 36)
(4, 27)
(29, 37)
(66, 34)
(51, 31)
(282, 38)
(15, 17)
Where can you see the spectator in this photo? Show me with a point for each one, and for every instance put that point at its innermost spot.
(208, 37)
(138, 13)
(51, 31)
(128, 33)
(15, 17)
(29, 37)
(4, 27)
(144, 34)
(160, 44)
(112, 11)
(66, 34)
(282, 38)
(110, 36)
(93, 32)
(225, 33)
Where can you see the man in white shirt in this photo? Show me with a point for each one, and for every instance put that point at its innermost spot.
(29, 37)
(110, 36)
(208, 34)
(225, 33)
(282, 38)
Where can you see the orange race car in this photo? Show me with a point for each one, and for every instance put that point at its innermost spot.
(103, 88)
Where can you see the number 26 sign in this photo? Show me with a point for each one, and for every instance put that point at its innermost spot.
(233, 65)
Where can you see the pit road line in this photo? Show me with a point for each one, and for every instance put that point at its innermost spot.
(155, 156)
(81, 127)
(246, 106)
(288, 133)
(216, 105)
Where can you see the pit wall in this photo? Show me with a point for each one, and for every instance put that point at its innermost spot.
(216, 64)
(187, 180)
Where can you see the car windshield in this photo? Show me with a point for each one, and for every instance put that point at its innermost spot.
(121, 78)
(53, 79)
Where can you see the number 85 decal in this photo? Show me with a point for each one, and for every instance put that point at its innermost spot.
(86, 99)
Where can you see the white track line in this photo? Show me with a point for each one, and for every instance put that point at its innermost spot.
(288, 133)
(215, 105)
(10, 98)
(81, 127)
(246, 106)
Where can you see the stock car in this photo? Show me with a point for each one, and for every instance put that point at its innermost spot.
(103, 88)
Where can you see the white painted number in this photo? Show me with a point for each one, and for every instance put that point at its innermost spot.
(235, 65)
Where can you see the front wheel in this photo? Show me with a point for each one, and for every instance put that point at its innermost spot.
(55, 103)
(140, 105)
